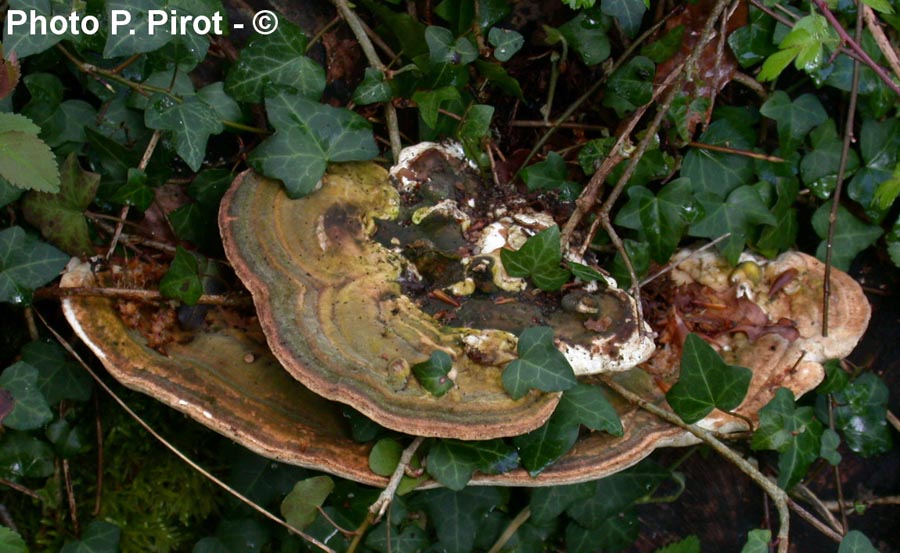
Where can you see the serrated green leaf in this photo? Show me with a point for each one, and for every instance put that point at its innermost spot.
(506, 43)
(856, 542)
(11, 542)
(17, 122)
(630, 86)
(433, 374)
(60, 216)
(757, 541)
(25, 160)
(588, 405)
(706, 382)
(182, 280)
(860, 414)
(191, 122)
(24, 456)
(58, 377)
(373, 88)
(738, 215)
(794, 118)
(8, 193)
(31, 410)
(300, 507)
(98, 537)
(539, 258)
(851, 235)
(588, 37)
(26, 263)
(309, 136)
(540, 365)
(277, 60)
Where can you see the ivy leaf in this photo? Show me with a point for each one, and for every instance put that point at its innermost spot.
(777, 238)
(819, 167)
(374, 88)
(613, 534)
(618, 492)
(457, 515)
(24, 456)
(757, 541)
(138, 37)
(829, 447)
(26, 263)
(433, 374)
(309, 136)
(182, 280)
(31, 410)
(191, 122)
(586, 273)
(880, 148)
(667, 45)
(475, 126)
(277, 61)
(540, 365)
(794, 118)
(192, 221)
(538, 258)
(738, 215)
(58, 377)
(549, 174)
(630, 86)
(588, 405)
(752, 43)
(25, 160)
(60, 216)
(450, 465)
(860, 414)
(706, 382)
(805, 45)
(855, 541)
(690, 544)
(793, 432)
(719, 173)
(505, 42)
(661, 219)
(226, 108)
(628, 13)
(851, 235)
(25, 44)
(300, 506)
(8, 193)
(588, 37)
(549, 502)
(98, 537)
(65, 438)
(135, 191)
(443, 49)
(543, 446)
(384, 538)
(430, 103)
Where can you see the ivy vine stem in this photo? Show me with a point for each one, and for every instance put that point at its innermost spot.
(779, 497)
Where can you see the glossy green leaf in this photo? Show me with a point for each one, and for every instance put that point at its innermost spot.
(309, 136)
(225, 107)
(588, 405)
(793, 118)
(433, 374)
(617, 493)
(506, 43)
(819, 167)
(757, 541)
(782, 235)
(860, 414)
(137, 36)
(807, 45)
(587, 36)
(373, 88)
(60, 217)
(739, 215)
(539, 258)
(540, 365)
(384, 538)
(59, 377)
(628, 13)
(191, 122)
(499, 78)
(300, 507)
(690, 544)
(430, 103)
(752, 43)
(26, 263)
(182, 280)
(706, 382)
(543, 446)
(851, 235)
(793, 432)
(720, 173)
(661, 219)
(549, 502)
(856, 542)
(836, 379)
(586, 273)
(630, 86)
(31, 410)
(25, 160)
(879, 144)
(443, 48)
(98, 537)
(473, 130)
(549, 174)
(639, 254)
(25, 43)
(24, 456)
(457, 515)
(450, 464)
(66, 439)
(275, 62)
(385, 456)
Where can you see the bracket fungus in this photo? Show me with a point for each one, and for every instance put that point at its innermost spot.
(359, 282)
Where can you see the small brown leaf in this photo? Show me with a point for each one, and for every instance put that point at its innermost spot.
(9, 74)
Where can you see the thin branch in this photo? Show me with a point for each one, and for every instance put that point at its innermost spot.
(852, 504)
(378, 508)
(19, 488)
(778, 496)
(187, 460)
(510, 530)
(839, 185)
(816, 523)
(359, 31)
(880, 38)
(737, 152)
(145, 160)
